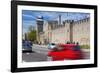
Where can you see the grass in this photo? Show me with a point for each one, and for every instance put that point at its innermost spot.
(85, 46)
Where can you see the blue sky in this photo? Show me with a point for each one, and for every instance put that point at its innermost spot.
(29, 17)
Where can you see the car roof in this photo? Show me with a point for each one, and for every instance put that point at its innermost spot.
(67, 45)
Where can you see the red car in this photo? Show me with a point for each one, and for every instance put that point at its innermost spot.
(69, 51)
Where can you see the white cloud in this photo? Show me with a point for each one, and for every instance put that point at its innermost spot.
(26, 15)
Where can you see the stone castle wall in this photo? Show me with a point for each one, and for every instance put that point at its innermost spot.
(81, 32)
(61, 33)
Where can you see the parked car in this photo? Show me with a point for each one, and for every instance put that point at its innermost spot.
(26, 46)
(69, 52)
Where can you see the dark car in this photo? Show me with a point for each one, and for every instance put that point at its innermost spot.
(26, 46)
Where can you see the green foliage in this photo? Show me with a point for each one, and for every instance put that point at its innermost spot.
(85, 46)
(32, 35)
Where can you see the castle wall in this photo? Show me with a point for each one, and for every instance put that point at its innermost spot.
(81, 32)
(61, 34)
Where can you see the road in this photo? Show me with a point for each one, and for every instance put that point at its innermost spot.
(40, 54)
(34, 57)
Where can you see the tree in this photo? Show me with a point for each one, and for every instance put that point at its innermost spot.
(31, 28)
(32, 34)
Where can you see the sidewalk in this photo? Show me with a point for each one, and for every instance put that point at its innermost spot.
(86, 50)
(40, 48)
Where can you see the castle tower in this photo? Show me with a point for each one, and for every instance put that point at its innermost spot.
(71, 30)
(39, 27)
(59, 19)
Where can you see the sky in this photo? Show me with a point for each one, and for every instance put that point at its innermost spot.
(29, 17)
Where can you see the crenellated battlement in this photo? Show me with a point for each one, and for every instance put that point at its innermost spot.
(56, 25)
(77, 22)
(82, 21)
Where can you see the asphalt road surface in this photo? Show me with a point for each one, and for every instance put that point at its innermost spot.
(37, 57)
(34, 57)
